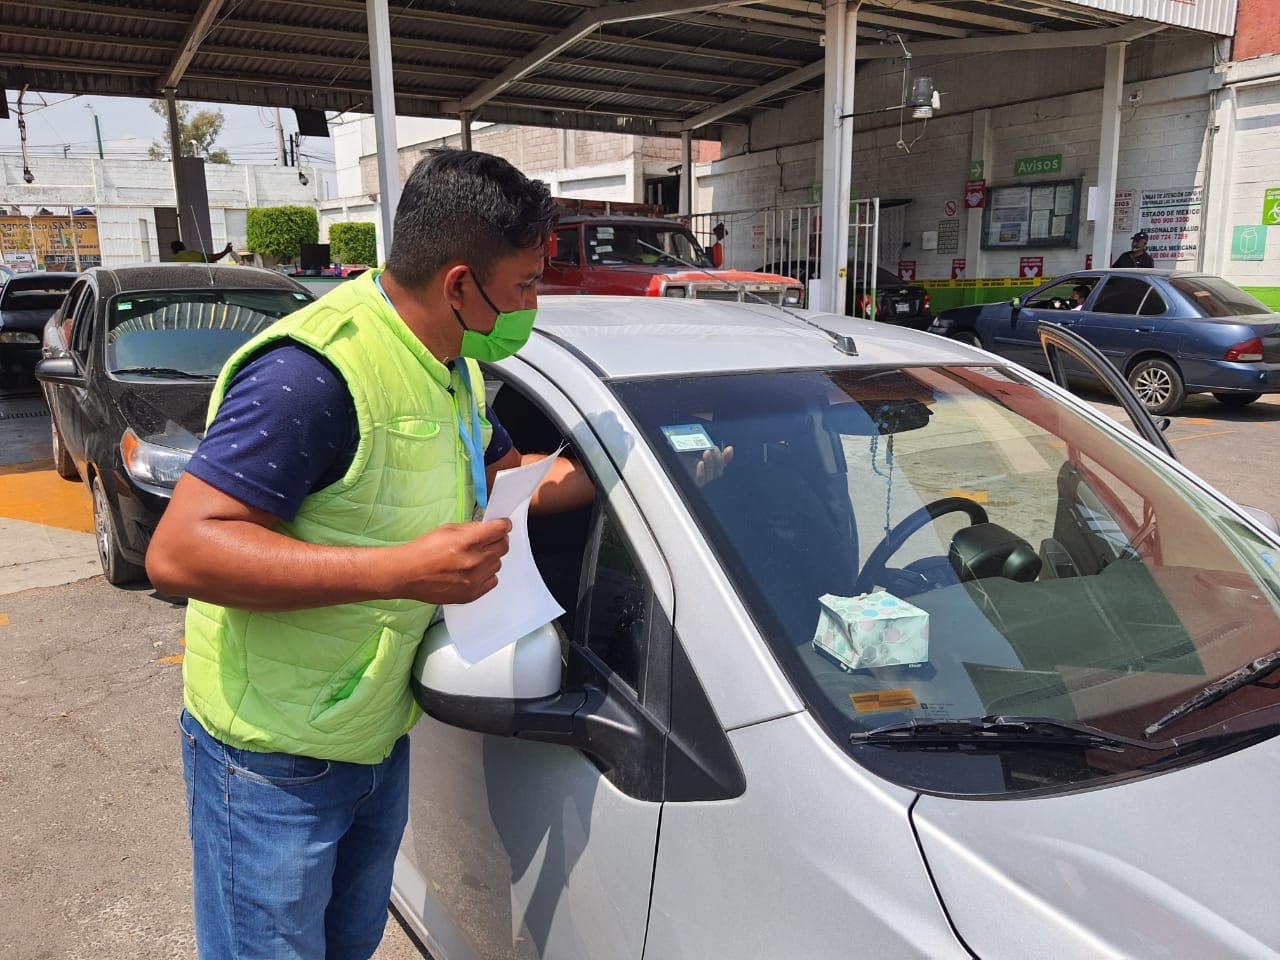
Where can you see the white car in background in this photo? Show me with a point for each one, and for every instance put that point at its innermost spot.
(945, 664)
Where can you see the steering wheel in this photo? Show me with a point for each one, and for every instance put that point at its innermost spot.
(874, 570)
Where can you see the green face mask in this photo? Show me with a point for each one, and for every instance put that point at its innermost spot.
(510, 332)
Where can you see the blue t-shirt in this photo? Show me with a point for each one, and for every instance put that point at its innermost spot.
(286, 428)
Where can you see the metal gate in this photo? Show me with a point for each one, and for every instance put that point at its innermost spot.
(789, 241)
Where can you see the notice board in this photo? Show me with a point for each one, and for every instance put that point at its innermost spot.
(1044, 214)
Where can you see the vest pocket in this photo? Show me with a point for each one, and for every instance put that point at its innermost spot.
(361, 690)
(416, 444)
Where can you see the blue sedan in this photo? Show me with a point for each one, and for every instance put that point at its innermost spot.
(1170, 333)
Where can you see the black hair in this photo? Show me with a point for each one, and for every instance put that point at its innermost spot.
(466, 206)
(1084, 291)
(177, 246)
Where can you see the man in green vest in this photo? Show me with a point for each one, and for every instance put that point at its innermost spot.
(325, 516)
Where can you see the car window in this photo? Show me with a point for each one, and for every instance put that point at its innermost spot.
(81, 333)
(1122, 295)
(188, 333)
(619, 606)
(642, 243)
(950, 543)
(1057, 296)
(567, 247)
(24, 294)
(1153, 304)
(1215, 297)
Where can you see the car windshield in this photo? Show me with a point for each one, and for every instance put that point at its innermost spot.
(1215, 297)
(188, 333)
(613, 243)
(939, 544)
(34, 294)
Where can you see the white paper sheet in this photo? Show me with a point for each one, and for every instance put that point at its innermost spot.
(521, 602)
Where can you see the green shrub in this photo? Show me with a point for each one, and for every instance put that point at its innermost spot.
(281, 231)
(353, 243)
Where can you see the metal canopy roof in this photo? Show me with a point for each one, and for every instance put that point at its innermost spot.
(636, 66)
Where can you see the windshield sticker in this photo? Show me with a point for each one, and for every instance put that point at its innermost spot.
(605, 232)
(604, 248)
(688, 437)
(874, 701)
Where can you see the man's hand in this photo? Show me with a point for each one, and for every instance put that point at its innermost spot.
(455, 563)
(711, 465)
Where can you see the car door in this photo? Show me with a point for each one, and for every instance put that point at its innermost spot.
(70, 400)
(1018, 337)
(517, 849)
(1127, 315)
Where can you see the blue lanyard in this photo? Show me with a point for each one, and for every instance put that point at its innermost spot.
(471, 440)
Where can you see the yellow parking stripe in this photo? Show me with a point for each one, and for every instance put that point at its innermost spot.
(41, 496)
(1201, 436)
(978, 496)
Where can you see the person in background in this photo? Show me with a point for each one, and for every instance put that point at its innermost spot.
(717, 248)
(182, 255)
(1136, 255)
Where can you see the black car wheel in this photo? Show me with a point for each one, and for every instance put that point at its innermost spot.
(1158, 385)
(62, 461)
(115, 567)
(1236, 399)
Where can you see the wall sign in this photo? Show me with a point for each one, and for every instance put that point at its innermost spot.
(1043, 214)
(1035, 166)
(949, 208)
(1123, 222)
(975, 194)
(1171, 219)
(975, 170)
(907, 269)
(1031, 267)
(1271, 207)
(948, 236)
(1248, 243)
(957, 268)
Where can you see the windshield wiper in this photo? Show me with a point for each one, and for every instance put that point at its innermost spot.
(172, 372)
(1251, 672)
(1002, 731)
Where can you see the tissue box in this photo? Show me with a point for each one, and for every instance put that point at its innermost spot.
(873, 630)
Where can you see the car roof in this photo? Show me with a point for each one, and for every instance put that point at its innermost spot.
(626, 337)
(187, 276)
(607, 218)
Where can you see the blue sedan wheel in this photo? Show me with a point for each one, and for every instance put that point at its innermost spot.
(1158, 385)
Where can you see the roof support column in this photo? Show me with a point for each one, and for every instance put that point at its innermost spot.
(175, 154)
(465, 117)
(837, 153)
(979, 160)
(1215, 239)
(686, 172)
(1108, 156)
(384, 122)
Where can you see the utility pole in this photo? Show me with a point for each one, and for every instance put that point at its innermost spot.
(280, 157)
(97, 129)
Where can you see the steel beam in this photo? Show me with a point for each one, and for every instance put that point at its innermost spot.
(384, 122)
(187, 49)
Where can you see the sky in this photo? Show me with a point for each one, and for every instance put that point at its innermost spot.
(60, 124)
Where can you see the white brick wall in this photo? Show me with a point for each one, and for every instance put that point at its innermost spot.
(1255, 167)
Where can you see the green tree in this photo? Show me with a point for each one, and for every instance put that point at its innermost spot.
(353, 243)
(202, 128)
(281, 231)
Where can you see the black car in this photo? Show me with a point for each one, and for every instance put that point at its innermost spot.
(27, 301)
(130, 359)
(895, 300)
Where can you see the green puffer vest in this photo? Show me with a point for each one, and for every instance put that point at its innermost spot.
(333, 682)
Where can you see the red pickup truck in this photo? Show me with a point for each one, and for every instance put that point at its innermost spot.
(649, 256)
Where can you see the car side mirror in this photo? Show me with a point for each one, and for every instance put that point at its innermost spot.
(61, 370)
(512, 693)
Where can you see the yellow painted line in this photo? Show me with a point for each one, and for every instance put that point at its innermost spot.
(4, 619)
(1201, 436)
(979, 496)
(176, 658)
(41, 496)
(1200, 421)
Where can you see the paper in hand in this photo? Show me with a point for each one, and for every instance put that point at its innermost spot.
(521, 602)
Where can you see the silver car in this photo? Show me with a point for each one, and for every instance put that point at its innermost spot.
(944, 663)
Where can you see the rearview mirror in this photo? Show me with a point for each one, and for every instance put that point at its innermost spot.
(875, 417)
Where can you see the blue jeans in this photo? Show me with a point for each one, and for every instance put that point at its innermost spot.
(292, 856)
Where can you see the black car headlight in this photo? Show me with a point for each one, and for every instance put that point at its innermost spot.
(152, 463)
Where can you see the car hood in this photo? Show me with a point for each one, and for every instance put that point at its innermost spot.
(702, 275)
(164, 411)
(1167, 866)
